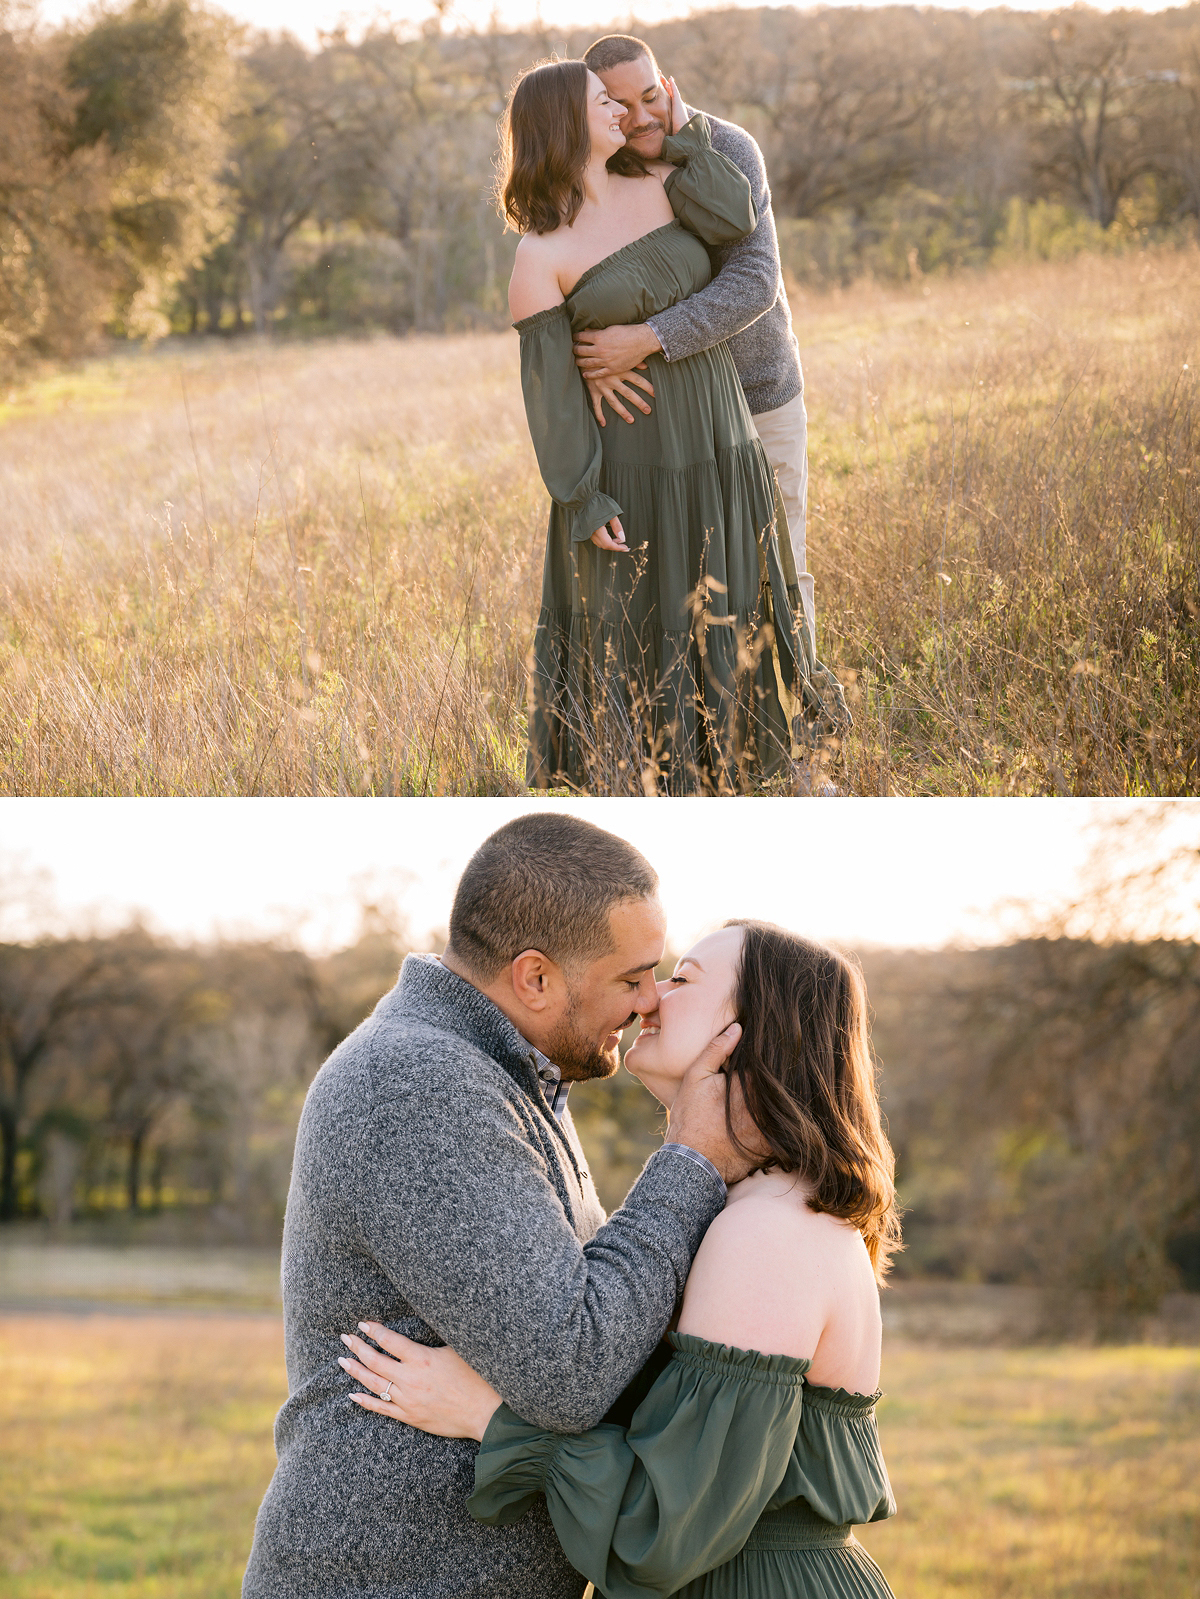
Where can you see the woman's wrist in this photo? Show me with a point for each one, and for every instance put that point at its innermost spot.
(483, 1417)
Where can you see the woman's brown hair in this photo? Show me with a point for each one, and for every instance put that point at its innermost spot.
(808, 1076)
(545, 147)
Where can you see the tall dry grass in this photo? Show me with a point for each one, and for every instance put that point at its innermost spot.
(315, 569)
(304, 569)
(1006, 522)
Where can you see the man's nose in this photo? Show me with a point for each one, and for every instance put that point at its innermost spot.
(646, 998)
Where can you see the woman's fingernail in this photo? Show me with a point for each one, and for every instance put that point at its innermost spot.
(364, 1326)
(342, 1361)
(345, 1337)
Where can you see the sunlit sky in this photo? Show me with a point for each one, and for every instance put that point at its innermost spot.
(914, 873)
(309, 18)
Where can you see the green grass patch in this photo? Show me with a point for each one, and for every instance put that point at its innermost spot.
(137, 1451)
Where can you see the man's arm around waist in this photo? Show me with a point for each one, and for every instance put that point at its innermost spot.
(460, 1209)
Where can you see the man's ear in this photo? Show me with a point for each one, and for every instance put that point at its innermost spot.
(532, 975)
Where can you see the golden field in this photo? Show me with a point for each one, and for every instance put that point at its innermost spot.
(137, 1448)
(234, 568)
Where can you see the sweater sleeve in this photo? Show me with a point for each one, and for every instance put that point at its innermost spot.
(565, 436)
(642, 1511)
(746, 285)
(459, 1208)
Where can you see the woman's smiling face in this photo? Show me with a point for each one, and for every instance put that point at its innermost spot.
(604, 120)
(694, 1005)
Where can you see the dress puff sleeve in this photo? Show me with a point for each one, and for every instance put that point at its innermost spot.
(565, 435)
(642, 1511)
(709, 195)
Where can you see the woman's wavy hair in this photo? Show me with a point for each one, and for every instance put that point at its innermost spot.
(808, 1075)
(545, 147)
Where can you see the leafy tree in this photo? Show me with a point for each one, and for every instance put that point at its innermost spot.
(423, 146)
(1045, 1096)
(1096, 111)
(152, 82)
(142, 1046)
(44, 987)
(279, 134)
(847, 108)
(1182, 141)
(54, 281)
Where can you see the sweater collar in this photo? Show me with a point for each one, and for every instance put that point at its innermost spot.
(433, 993)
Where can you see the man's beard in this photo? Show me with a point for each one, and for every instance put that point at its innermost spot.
(578, 1058)
(650, 130)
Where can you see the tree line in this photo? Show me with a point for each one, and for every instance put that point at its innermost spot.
(1043, 1097)
(163, 168)
(139, 1075)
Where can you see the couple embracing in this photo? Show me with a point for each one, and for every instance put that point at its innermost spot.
(497, 1393)
(675, 643)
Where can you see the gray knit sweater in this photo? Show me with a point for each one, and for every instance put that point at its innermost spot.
(433, 1190)
(745, 302)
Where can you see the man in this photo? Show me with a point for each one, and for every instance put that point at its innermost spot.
(745, 303)
(439, 1187)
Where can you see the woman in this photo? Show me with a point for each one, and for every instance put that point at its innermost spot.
(668, 595)
(738, 1461)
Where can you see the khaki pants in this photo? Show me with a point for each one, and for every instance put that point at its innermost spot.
(784, 435)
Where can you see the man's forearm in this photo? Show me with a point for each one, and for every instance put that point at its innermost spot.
(743, 290)
(614, 351)
(648, 341)
(592, 1339)
(556, 1326)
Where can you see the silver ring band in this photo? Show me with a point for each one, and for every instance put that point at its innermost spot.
(386, 1392)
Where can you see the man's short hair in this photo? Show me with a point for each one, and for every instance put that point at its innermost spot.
(545, 881)
(614, 50)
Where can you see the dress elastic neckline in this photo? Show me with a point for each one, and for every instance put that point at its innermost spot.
(528, 323)
(585, 277)
(750, 1363)
(839, 1398)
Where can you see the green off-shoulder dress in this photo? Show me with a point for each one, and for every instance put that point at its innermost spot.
(733, 1479)
(677, 667)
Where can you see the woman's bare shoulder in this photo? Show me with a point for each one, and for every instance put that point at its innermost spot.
(774, 1217)
(770, 1215)
(534, 285)
(533, 246)
(771, 1273)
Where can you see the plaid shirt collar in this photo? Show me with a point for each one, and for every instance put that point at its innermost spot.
(550, 1077)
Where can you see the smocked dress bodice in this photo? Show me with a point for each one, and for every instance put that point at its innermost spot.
(645, 277)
